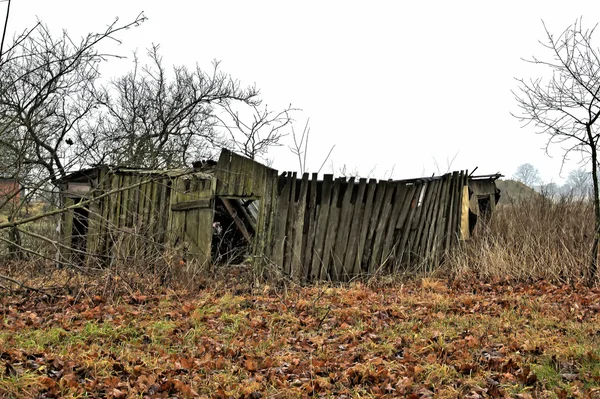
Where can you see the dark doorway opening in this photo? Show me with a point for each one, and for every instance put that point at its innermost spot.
(230, 240)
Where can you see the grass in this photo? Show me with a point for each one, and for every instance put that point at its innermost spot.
(536, 238)
(515, 339)
(506, 316)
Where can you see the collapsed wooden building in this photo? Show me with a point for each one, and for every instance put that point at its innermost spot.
(311, 228)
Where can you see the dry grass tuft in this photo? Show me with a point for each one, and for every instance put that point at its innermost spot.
(539, 238)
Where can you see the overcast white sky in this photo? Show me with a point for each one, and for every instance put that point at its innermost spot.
(394, 85)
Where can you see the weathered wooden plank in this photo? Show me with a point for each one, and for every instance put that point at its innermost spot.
(270, 210)
(464, 220)
(428, 224)
(192, 216)
(364, 228)
(189, 205)
(434, 232)
(340, 270)
(283, 203)
(289, 233)
(397, 206)
(177, 228)
(125, 200)
(350, 264)
(456, 209)
(323, 206)
(94, 226)
(67, 231)
(238, 222)
(403, 251)
(103, 239)
(449, 235)
(311, 228)
(380, 195)
(380, 231)
(421, 222)
(162, 211)
(332, 227)
(205, 221)
(297, 267)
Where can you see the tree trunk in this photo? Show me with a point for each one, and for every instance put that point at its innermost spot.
(594, 263)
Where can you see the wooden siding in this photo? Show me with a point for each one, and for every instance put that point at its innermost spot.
(342, 229)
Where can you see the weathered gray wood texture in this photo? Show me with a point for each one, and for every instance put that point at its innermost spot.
(334, 229)
(343, 229)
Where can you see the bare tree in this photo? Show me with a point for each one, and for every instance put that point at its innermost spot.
(565, 106)
(528, 175)
(253, 136)
(45, 94)
(579, 183)
(153, 117)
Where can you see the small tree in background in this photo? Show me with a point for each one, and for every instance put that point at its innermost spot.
(565, 105)
(528, 175)
(579, 183)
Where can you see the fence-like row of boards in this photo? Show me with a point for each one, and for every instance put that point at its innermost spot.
(343, 228)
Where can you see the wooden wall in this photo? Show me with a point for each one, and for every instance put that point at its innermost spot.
(343, 228)
(146, 212)
(241, 177)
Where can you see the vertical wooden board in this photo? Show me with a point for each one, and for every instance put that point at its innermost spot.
(323, 209)
(269, 208)
(261, 236)
(380, 196)
(364, 228)
(342, 270)
(289, 233)
(238, 169)
(94, 225)
(103, 238)
(398, 205)
(113, 218)
(311, 219)
(428, 224)
(253, 178)
(177, 230)
(192, 225)
(403, 251)
(403, 223)
(464, 219)
(283, 203)
(432, 239)
(125, 182)
(153, 226)
(205, 220)
(298, 270)
(457, 209)
(67, 231)
(382, 224)
(414, 226)
(407, 205)
(161, 210)
(245, 172)
(450, 212)
(421, 223)
(332, 228)
(114, 201)
(354, 230)
(142, 226)
(423, 227)
(153, 246)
